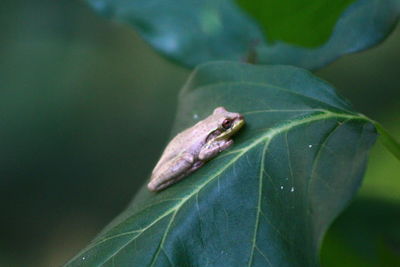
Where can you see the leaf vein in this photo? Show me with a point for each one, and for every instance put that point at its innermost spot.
(260, 185)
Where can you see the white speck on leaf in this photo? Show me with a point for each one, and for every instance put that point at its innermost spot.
(281, 187)
(310, 146)
(83, 258)
(195, 116)
(292, 189)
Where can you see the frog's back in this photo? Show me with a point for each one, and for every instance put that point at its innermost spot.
(190, 140)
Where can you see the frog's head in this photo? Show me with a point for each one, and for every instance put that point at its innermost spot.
(228, 123)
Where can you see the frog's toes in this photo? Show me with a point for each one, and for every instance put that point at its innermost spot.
(226, 145)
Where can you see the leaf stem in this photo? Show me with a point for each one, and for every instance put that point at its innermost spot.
(387, 140)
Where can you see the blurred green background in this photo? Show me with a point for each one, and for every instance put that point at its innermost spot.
(86, 108)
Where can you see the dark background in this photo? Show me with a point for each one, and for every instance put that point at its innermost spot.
(86, 108)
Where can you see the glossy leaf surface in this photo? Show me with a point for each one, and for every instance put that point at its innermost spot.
(191, 32)
(269, 199)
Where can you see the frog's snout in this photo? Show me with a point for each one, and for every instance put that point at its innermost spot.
(239, 122)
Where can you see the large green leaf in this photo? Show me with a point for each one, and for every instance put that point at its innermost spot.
(192, 32)
(265, 202)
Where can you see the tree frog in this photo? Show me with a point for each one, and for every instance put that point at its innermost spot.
(190, 149)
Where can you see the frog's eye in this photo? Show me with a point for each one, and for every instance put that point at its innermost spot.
(226, 124)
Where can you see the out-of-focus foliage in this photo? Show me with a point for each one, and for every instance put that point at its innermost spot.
(367, 234)
(85, 104)
(304, 23)
(193, 32)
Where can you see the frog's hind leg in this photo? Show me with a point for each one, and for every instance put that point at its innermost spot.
(192, 168)
(171, 172)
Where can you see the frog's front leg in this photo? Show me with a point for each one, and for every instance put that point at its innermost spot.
(211, 150)
(171, 172)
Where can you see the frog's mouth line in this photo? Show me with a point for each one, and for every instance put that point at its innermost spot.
(231, 131)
